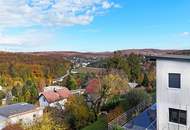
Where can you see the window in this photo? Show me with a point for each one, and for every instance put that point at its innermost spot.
(34, 117)
(178, 116)
(20, 120)
(174, 80)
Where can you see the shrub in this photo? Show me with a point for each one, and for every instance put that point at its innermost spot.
(100, 124)
(117, 127)
(134, 97)
(115, 113)
(111, 104)
(2, 95)
(77, 113)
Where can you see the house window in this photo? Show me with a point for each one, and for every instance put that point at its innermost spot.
(44, 99)
(174, 80)
(178, 116)
(20, 120)
(34, 117)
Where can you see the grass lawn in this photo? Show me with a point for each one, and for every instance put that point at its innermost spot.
(100, 124)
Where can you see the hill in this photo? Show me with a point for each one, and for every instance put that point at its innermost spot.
(104, 54)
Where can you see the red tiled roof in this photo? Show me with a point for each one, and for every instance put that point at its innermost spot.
(53, 96)
(92, 86)
(64, 93)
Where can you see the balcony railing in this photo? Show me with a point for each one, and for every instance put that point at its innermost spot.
(127, 116)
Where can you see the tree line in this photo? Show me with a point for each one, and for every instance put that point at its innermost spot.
(24, 75)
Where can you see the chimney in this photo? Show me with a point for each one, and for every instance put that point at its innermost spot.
(54, 89)
(4, 102)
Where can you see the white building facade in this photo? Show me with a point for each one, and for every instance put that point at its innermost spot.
(173, 92)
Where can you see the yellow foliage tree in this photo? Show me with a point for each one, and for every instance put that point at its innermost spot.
(46, 123)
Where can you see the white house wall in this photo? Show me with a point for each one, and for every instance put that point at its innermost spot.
(43, 102)
(58, 103)
(2, 122)
(27, 118)
(172, 97)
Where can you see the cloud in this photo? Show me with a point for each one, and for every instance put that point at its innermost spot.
(29, 38)
(185, 34)
(107, 5)
(51, 12)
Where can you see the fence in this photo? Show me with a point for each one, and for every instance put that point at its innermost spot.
(127, 116)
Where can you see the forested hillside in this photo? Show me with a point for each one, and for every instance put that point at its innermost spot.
(24, 75)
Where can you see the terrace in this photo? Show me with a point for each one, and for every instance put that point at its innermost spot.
(144, 121)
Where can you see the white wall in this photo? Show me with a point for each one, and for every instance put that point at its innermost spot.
(27, 118)
(58, 104)
(44, 103)
(171, 97)
(2, 122)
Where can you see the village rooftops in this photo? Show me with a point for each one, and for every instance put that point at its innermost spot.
(170, 57)
(56, 95)
(51, 88)
(14, 109)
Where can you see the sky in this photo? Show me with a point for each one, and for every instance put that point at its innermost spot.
(94, 25)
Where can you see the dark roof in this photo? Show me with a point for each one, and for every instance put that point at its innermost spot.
(170, 57)
(13, 109)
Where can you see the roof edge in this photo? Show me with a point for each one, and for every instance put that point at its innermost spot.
(169, 57)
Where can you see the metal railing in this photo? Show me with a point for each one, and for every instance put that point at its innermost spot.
(127, 116)
(152, 126)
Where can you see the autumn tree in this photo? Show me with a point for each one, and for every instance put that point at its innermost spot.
(7, 82)
(46, 123)
(77, 113)
(108, 86)
(71, 83)
(12, 70)
(2, 94)
(134, 62)
(17, 86)
(135, 97)
(30, 92)
(118, 61)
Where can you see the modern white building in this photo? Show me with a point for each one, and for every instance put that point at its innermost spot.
(19, 113)
(173, 92)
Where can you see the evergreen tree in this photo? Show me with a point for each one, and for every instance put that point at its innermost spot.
(71, 83)
(145, 81)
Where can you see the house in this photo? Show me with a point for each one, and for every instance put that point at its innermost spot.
(78, 91)
(51, 88)
(19, 113)
(54, 98)
(8, 98)
(173, 92)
